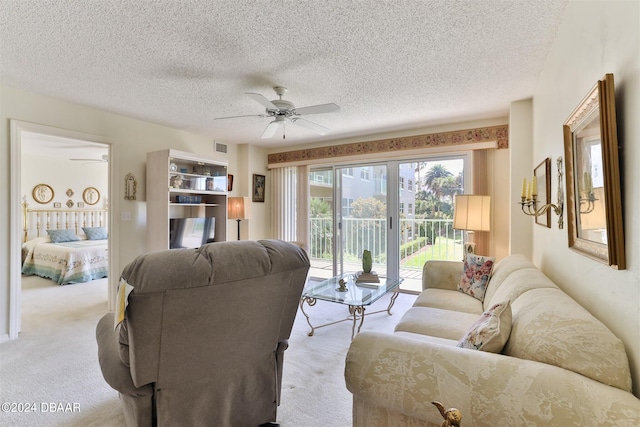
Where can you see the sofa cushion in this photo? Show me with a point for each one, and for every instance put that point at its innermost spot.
(426, 338)
(550, 327)
(448, 300)
(436, 322)
(491, 331)
(503, 269)
(516, 284)
(475, 275)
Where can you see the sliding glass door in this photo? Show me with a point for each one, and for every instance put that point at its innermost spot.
(349, 214)
(426, 191)
(400, 211)
(362, 217)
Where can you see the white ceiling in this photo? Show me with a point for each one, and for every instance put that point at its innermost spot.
(389, 65)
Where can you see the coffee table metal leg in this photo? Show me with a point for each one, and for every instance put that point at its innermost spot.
(311, 302)
(393, 301)
(357, 311)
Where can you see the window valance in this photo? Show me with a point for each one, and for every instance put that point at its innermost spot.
(467, 139)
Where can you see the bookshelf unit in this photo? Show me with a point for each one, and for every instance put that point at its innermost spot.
(183, 185)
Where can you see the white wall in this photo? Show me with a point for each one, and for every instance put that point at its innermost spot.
(63, 174)
(520, 152)
(132, 140)
(595, 38)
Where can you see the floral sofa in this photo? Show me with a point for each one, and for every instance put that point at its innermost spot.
(543, 360)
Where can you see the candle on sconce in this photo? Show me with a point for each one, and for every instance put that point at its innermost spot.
(523, 194)
(534, 186)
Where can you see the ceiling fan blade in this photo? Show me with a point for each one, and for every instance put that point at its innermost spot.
(235, 117)
(271, 129)
(262, 100)
(87, 160)
(312, 126)
(317, 109)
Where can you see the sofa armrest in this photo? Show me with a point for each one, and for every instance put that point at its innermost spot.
(402, 376)
(441, 274)
(114, 371)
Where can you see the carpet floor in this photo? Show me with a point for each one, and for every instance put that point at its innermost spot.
(50, 375)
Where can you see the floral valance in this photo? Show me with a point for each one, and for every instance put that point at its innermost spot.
(458, 138)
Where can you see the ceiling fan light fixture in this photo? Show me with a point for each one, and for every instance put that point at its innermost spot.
(281, 109)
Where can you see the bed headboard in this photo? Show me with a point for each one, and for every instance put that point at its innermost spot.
(36, 222)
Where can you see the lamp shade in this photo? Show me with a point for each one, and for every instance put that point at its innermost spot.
(472, 212)
(239, 208)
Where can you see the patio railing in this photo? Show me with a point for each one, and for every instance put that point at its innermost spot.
(421, 239)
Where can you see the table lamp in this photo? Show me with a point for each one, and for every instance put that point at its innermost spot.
(471, 213)
(239, 208)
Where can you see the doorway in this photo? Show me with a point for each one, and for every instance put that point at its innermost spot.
(52, 150)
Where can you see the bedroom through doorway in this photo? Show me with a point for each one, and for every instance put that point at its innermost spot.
(63, 197)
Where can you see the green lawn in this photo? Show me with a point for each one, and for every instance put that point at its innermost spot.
(444, 248)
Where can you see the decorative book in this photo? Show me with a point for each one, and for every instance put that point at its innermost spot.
(362, 277)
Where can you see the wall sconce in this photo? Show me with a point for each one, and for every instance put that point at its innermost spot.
(529, 198)
(239, 208)
(130, 187)
(588, 199)
(472, 212)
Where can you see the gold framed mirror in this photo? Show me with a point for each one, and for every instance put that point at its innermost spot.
(594, 200)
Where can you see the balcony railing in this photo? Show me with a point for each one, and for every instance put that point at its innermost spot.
(420, 240)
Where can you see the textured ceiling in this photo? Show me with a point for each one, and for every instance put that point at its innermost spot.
(388, 65)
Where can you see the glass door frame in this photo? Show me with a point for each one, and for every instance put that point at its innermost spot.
(392, 201)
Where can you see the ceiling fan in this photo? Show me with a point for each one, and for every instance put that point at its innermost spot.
(281, 109)
(103, 159)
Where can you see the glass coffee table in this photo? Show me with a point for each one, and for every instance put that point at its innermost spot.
(356, 296)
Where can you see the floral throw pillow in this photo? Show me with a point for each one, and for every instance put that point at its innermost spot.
(475, 275)
(491, 331)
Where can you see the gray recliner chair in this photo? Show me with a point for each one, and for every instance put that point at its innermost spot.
(204, 334)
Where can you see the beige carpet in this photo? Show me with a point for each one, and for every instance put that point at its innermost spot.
(52, 369)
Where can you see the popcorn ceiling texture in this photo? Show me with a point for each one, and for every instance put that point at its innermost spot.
(389, 65)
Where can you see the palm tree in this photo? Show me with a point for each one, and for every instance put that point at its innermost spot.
(433, 180)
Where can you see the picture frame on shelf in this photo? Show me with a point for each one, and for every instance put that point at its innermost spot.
(594, 197)
(258, 188)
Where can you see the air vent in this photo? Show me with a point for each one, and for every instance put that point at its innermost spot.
(221, 148)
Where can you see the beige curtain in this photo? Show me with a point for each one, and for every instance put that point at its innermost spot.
(290, 207)
(481, 159)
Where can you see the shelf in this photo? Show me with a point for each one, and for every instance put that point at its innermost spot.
(187, 191)
(193, 204)
(204, 185)
(194, 175)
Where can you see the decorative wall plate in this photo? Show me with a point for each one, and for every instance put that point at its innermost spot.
(69, 192)
(91, 195)
(69, 203)
(42, 193)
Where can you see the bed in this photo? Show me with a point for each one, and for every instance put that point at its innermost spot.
(66, 246)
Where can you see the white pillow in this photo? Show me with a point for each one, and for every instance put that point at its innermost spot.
(491, 331)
